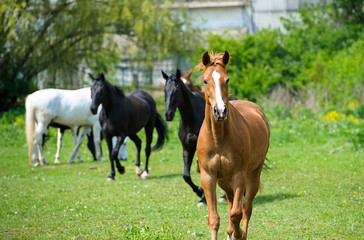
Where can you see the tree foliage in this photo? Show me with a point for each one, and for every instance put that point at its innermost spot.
(59, 34)
(320, 50)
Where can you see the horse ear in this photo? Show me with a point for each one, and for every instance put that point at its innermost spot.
(189, 73)
(226, 58)
(102, 77)
(206, 58)
(178, 73)
(165, 76)
(92, 77)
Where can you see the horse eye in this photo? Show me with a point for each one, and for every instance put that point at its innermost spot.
(205, 81)
(227, 80)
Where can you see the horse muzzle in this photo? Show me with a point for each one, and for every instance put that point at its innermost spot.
(169, 116)
(220, 114)
(93, 110)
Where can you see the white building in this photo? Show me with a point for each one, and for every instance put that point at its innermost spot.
(246, 15)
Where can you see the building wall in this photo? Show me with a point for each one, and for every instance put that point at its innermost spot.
(267, 13)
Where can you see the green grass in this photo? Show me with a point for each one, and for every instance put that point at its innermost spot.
(308, 193)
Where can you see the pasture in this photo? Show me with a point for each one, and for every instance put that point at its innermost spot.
(309, 193)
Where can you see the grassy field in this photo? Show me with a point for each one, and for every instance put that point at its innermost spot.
(308, 193)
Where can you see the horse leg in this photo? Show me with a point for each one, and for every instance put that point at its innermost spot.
(39, 131)
(123, 154)
(115, 153)
(149, 138)
(230, 197)
(138, 144)
(78, 143)
(109, 145)
(209, 186)
(97, 141)
(236, 212)
(91, 144)
(35, 153)
(74, 132)
(187, 159)
(252, 187)
(59, 145)
(77, 129)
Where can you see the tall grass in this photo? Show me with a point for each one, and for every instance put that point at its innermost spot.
(308, 194)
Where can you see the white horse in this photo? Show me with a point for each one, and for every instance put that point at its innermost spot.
(67, 107)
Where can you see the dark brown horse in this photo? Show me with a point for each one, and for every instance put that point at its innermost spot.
(231, 148)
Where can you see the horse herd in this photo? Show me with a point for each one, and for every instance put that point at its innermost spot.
(231, 137)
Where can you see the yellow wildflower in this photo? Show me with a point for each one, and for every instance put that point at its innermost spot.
(19, 120)
(353, 105)
(332, 116)
(353, 119)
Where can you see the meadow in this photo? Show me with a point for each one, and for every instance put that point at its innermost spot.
(313, 190)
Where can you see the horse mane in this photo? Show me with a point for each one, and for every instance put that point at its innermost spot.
(119, 91)
(215, 59)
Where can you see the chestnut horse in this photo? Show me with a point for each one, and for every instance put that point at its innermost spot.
(231, 148)
(186, 79)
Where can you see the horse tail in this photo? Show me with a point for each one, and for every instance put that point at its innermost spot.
(162, 129)
(30, 126)
(266, 167)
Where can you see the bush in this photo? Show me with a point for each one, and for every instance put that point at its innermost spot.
(319, 53)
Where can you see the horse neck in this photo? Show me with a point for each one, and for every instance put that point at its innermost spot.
(110, 96)
(185, 105)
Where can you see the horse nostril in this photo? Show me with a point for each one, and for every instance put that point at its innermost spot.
(215, 110)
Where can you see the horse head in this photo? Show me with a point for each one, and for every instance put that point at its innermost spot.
(171, 93)
(97, 92)
(186, 79)
(216, 83)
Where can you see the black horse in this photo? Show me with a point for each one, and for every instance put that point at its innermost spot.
(125, 115)
(191, 106)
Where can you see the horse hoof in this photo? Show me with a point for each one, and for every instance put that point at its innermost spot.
(144, 175)
(121, 170)
(138, 171)
(36, 164)
(57, 161)
(109, 179)
(80, 160)
(201, 204)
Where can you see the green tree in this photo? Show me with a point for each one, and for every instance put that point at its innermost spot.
(319, 50)
(48, 35)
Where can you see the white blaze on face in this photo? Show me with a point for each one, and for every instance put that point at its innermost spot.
(220, 103)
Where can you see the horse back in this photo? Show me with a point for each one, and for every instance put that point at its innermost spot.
(67, 107)
(141, 109)
(254, 116)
